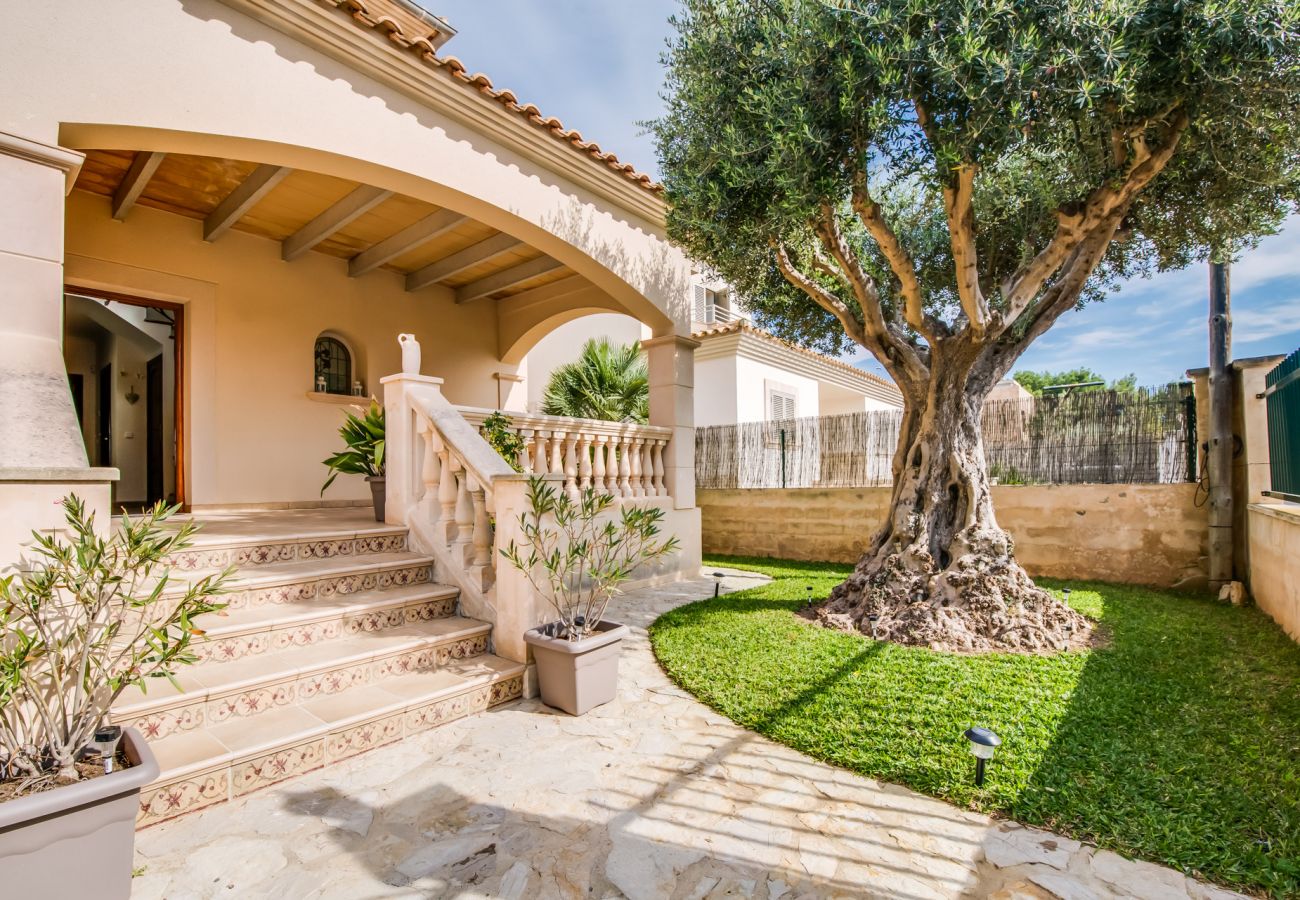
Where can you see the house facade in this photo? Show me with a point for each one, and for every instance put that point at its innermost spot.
(368, 186)
(742, 373)
(218, 217)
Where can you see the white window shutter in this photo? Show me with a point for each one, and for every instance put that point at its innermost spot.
(701, 303)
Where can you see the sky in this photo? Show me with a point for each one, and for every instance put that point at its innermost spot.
(595, 64)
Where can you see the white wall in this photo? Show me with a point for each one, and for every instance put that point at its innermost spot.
(752, 379)
(562, 346)
(715, 391)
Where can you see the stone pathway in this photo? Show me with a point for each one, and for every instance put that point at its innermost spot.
(651, 796)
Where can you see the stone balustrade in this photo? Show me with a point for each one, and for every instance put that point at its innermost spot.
(619, 458)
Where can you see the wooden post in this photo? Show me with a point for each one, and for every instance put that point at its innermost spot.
(1219, 457)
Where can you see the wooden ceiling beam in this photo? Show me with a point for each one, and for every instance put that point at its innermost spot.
(134, 182)
(243, 198)
(550, 291)
(427, 229)
(506, 278)
(458, 262)
(352, 207)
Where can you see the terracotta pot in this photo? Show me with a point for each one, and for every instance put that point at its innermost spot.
(377, 483)
(77, 840)
(576, 676)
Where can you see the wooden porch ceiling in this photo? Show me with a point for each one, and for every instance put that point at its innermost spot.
(306, 211)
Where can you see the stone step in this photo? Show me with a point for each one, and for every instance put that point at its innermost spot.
(264, 538)
(211, 693)
(231, 758)
(250, 631)
(292, 582)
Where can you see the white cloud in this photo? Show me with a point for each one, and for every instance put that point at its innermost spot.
(1249, 325)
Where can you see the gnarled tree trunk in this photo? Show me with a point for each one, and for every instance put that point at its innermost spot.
(940, 572)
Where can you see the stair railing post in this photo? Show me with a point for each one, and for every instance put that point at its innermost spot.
(402, 442)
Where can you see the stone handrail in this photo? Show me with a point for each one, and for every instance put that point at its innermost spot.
(620, 458)
(447, 485)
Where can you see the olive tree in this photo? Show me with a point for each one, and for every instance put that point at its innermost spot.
(940, 181)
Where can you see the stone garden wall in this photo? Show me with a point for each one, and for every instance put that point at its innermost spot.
(1136, 533)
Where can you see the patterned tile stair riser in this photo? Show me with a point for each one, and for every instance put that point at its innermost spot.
(285, 551)
(200, 789)
(202, 713)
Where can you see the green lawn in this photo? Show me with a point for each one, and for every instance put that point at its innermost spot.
(1179, 742)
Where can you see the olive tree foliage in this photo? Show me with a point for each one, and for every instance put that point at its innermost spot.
(940, 181)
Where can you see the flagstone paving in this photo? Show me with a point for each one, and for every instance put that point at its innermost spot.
(651, 796)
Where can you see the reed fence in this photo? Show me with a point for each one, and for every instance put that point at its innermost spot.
(1107, 437)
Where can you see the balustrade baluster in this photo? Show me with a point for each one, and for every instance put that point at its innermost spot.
(526, 452)
(464, 513)
(660, 490)
(482, 537)
(634, 457)
(428, 469)
(571, 465)
(540, 457)
(446, 495)
(598, 469)
(624, 467)
(584, 462)
(557, 452)
(647, 468)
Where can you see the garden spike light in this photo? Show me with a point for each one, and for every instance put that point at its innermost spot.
(105, 742)
(983, 744)
(717, 583)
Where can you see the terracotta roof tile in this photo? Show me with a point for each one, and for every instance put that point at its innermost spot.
(741, 326)
(403, 29)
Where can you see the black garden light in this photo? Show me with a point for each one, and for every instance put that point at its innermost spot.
(873, 618)
(810, 599)
(717, 583)
(105, 742)
(983, 744)
(1066, 592)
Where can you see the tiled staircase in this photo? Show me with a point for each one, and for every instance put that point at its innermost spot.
(336, 640)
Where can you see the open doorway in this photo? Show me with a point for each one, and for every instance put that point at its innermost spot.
(124, 356)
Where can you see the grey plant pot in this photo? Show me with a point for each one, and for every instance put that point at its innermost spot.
(77, 840)
(377, 488)
(576, 676)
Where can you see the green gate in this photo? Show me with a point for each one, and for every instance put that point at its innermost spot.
(1283, 398)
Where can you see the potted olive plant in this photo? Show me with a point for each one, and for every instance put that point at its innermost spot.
(92, 616)
(363, 439)
(576, 557)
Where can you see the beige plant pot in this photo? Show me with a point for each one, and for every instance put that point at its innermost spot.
(576, 676)
(77, 840)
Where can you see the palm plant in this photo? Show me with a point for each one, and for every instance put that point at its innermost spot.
(607, 381)
(364, 440)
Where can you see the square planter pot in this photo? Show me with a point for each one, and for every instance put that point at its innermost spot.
(77, 840)
(377, 495)
(576, 676)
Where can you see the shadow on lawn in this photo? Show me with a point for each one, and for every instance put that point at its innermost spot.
(1174, 744)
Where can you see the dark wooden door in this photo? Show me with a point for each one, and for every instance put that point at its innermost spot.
(153, 398)
(78, 385)
(104, 423)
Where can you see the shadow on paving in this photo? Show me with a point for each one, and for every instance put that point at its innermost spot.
(701, 824)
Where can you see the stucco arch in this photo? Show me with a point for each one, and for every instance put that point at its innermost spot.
(570, 234)
(524, 335)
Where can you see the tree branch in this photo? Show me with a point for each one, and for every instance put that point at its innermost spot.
(893, 340)
(893, 354)
(900, 261)
(1073, 228)
(958, 197)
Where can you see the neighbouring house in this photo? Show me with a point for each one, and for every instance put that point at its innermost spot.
(218, 216)
(742, 373)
